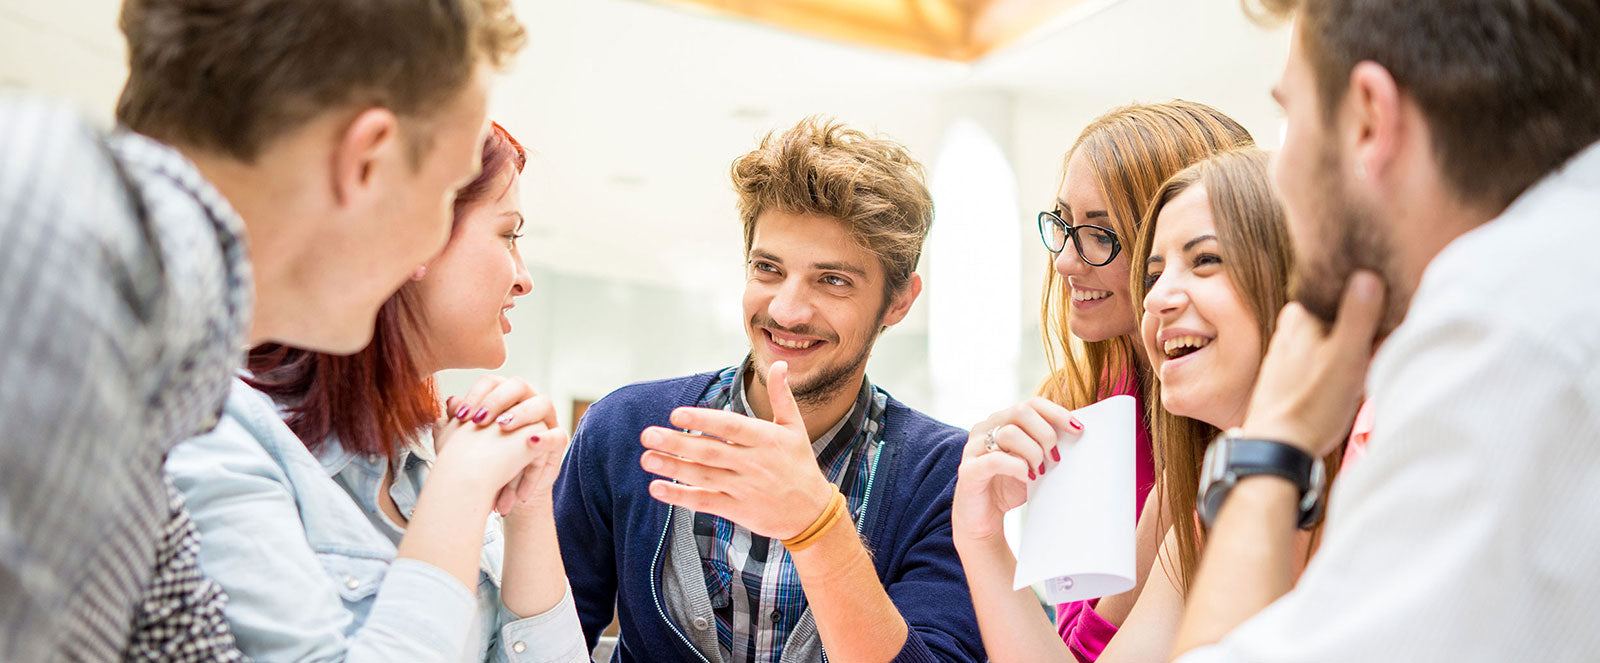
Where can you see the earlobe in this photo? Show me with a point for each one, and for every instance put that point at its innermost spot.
(903, 301)
(368, 144)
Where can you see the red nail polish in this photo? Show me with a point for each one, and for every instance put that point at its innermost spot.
(1041, 468)
(482, 415)
(1031, 475)
(1075, 424)
(533, 439)
(1055, 454)
(461, 413)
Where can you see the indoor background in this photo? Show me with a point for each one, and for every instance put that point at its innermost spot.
(633, 110)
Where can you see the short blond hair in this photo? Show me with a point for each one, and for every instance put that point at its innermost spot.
(871, 184)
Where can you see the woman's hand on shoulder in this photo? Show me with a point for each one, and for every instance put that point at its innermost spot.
(1004, 453)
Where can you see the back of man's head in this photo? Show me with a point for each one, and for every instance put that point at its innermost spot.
(227, 76)
(820, 166)
(1510, 88)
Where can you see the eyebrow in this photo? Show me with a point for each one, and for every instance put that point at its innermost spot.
(1191, 243)
(819, 266)
(1066, 211)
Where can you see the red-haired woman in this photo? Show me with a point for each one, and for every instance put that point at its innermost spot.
(347, 520)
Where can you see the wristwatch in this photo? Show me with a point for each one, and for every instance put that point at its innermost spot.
(1232, 457)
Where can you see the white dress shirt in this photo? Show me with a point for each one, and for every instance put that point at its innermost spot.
(1471, 529)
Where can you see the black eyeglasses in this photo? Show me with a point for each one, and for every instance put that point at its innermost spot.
(1097, 246)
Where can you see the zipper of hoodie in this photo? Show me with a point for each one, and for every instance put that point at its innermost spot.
(655, 590)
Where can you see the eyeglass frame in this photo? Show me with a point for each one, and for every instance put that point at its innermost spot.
(1070, 233)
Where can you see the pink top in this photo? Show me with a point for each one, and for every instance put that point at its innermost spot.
(1084, 631)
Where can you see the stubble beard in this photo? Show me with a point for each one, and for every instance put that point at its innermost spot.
(828, 381)
(1352, 238)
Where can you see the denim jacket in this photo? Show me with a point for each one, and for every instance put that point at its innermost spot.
(308, 559)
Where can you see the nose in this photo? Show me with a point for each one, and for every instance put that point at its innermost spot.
(791, 305)
(1069, 263)
(1165, 298)
(523, 283)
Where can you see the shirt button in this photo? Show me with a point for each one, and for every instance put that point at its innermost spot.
(700, 623)
(519, 646)
(777, 615)
(351, 582)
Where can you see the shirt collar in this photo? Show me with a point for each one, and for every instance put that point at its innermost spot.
(836, 439)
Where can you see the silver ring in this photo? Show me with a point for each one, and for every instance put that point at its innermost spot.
(989, 443)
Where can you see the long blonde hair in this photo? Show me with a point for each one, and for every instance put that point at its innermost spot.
(1253, 238)
(1131, 151)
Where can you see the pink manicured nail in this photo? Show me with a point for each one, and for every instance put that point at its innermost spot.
(1055, 454)
(533, 440)
(504, 419)
(1031, 475)
(1041, 468)
(462, 413)
(1075, 424)
(481, 416)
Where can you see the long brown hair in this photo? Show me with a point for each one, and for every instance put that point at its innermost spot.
(1131, 151)
(378, 399)
(1253, 238)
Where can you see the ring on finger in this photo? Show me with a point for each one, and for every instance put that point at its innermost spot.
(989, 443)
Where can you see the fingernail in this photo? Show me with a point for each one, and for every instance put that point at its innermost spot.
(1055, 454)
(1041, 468)
(504, 419)
(533, 440)
(1075, 424)
(461, 413)
(481, 416)
(1031, 475)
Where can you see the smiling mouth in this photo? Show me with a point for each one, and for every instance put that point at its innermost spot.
(1183, 346)
(788, 344)
(1081, 295)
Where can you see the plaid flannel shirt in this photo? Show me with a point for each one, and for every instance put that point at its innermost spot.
(755, 592)
(125, 295)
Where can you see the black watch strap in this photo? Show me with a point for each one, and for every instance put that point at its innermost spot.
(1248, 457)
(1244, 457)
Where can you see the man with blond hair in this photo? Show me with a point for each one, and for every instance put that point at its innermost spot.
(784, 506)
(283, 167)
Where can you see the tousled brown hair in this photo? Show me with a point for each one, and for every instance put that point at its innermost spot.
(1131, 151)
(1257, 256)
(1510, 88)
(231, 75)
(377, 400)
(872, 185)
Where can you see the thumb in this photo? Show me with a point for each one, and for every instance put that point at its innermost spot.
(785, 411)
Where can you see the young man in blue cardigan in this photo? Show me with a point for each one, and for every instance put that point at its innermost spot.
(700, 506)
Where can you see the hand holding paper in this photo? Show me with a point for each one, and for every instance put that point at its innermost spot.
(1077, 529)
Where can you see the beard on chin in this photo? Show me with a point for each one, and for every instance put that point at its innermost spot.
(1350, 239)
(827, 381)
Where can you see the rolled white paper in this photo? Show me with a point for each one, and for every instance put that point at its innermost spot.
(1076, 530)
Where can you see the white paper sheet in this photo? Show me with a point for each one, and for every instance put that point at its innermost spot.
(1075, 534)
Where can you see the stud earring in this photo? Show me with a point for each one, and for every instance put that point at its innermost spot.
(422, 270)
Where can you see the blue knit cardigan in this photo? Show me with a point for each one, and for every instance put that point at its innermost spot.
(613, 534)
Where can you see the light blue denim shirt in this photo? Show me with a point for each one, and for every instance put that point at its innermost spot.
(308, 559)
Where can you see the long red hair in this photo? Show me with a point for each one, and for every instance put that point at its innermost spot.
(378, 398)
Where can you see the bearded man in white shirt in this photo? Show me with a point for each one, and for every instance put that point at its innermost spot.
(1442, 178)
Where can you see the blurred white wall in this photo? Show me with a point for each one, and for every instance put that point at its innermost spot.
(634, 111)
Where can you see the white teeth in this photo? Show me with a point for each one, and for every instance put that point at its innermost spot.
(793, 345)
(1089, 295)
(1173, 345)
